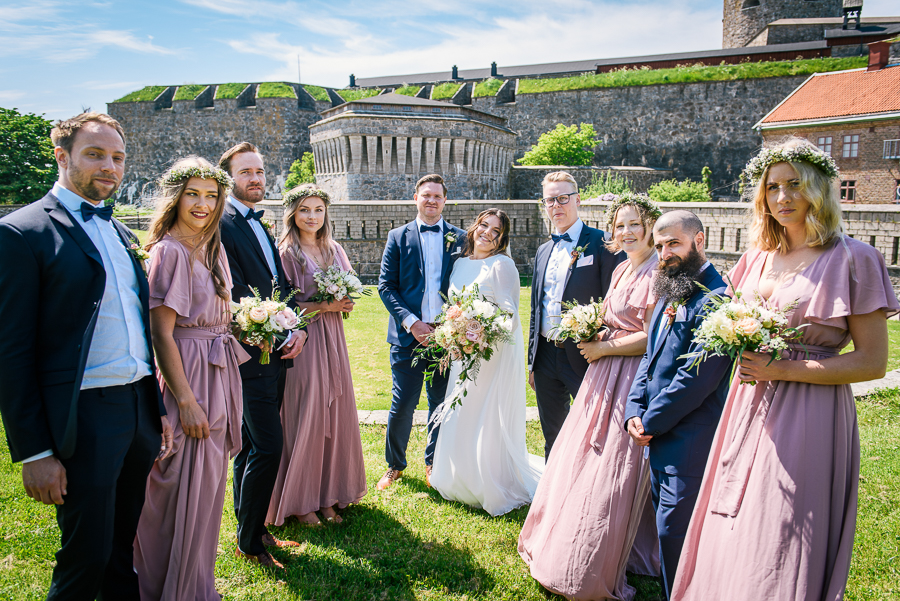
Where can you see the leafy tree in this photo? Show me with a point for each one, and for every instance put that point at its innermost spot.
(671, 190)
(27, 164)
(564, 146)
(610, 183)
(303, 171)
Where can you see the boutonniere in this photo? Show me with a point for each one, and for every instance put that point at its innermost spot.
(672, 310)
(137, 252)
(451, 239)
(576, 254)
(267, 224)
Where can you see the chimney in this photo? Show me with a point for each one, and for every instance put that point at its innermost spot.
(879, 53)
(352, 80)
(494, 69)
(455, 74)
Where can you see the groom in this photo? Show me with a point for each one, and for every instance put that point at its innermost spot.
(415, 272)
(573, 266)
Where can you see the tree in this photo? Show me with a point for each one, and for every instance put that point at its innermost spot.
(27, 164)
(563, 146)
(303, 171)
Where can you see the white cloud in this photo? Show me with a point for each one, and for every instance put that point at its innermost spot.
(11, 95)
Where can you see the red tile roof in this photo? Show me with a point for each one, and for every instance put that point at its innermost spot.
(841, 94)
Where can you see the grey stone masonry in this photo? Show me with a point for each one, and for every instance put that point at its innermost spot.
(745, 19)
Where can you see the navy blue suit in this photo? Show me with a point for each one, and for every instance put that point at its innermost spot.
(681, 410)
(401, 285)
(558, 372)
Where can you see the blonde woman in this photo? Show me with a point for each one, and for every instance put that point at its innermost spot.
(322, 462)
(776, 512)
(190, 289)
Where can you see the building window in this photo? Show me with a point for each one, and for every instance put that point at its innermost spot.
(848, 190)
(824, 144)
(749, 4)
(851, 146)
(892, 149)
(435, 110)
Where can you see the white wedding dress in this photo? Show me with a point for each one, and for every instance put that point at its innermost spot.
(480, 458)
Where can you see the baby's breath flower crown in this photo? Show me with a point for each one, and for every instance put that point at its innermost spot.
(298, 194)
(640, 200)
(176, 177)
(806, 153)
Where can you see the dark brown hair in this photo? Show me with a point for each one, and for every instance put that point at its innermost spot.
(503, 238)
(63, 133)
(225, 161)
(431, 178)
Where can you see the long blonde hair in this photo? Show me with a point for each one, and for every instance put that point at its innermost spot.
(290, 239)
(207, 247)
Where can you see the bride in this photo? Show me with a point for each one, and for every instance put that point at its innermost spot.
(481, 459)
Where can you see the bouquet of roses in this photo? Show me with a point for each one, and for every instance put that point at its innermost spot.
(256, 320)
(736, 325)
(469, 329)
(579, 322)
(336, 284)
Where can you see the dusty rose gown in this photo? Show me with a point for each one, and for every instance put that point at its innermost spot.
(591, 504)
(776, 513)
(322, 460)
(178, 534)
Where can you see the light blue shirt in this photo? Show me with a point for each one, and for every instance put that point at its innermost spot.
(119, 353)
(432, 244)
(555, 279)
(260, 232)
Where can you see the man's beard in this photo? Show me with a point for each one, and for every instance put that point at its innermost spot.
(84, 183)
(252, 196)
(676, 280)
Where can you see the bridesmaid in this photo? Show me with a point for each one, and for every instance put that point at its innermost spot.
(776, 513)
(322, 461)
(190, 290)
(589, 506)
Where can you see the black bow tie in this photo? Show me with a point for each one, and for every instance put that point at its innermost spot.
(558, 237)
(430, 228)
(258, 215)
(88, 211)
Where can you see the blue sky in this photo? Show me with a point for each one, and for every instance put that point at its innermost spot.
(58, 57)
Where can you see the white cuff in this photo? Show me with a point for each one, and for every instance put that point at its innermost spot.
(409, 321)
(38, 456)
(286, 340)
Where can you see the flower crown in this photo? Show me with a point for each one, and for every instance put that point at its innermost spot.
(298, 194)
(806, 153)
(640, 200)
(176, 177)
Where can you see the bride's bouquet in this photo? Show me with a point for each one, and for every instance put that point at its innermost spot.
(256, 320)
(469, 329)
(736, 325)
(336, 284)
(579, 322)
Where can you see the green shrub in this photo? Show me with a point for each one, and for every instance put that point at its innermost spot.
(27, 165)
(444, 90)
(671, 190)
(303, 171)
(351, 95)
(408, 90)
(318, 93)
(230, 90)
(275, 89)
(143, 95)
(563, 146)
(608, 183)
(189, 91)
(488, 87)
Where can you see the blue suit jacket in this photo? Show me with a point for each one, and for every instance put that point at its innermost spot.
(401, 283)
(680, 408)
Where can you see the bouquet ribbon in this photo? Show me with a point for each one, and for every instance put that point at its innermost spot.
(739, 453)
(225, 349)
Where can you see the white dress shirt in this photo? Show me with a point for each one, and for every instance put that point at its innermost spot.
(260, 232)
(555, 279)
(432, 245)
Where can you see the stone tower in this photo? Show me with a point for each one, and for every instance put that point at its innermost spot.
(744, 19)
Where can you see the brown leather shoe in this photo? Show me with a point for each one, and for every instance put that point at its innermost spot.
(270, 541)
(389, 478)
(428, 476)
(264, 559)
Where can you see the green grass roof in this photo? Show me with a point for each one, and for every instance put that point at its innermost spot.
(189, 92)
(408, 90)
(488, 87)
(319, 93)
(350, 95)
(444, 90)
(230, 90)
(275, 89)
(143, 95)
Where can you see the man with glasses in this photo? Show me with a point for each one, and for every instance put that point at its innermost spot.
(573, 265)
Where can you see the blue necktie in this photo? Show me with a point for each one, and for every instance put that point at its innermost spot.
(88, 211)
(558, 237)
(258, 215)
(430, 228)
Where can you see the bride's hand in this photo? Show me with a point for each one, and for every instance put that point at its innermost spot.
(593, 350)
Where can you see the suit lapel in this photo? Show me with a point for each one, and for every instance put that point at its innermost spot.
(62, 216)
(125, 237)
(543, 257)
(244, 226)
(658, 337)
(445, 263)
(582, 241)
(413, 240)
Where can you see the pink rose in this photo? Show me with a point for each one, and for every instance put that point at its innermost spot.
(286, 319)
(454, 312)
(474, 326)
(259, 315)
(332, 288)
(476, 337)
(747, 326)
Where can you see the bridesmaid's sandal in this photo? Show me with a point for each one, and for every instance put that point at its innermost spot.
(331, 516)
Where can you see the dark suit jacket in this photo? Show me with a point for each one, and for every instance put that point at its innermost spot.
(249, 268)
(52, 280)
(680, 408)
(582, 284)
(401, 283)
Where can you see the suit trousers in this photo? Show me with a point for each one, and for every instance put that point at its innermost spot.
(256, 465)
(117, 442)
(407, 387)
(674, 497)
(555, 385)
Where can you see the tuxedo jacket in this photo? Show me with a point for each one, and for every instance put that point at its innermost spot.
(51, 284)
(679, 407)
(249, 269)
(401, 282)
(583, 283)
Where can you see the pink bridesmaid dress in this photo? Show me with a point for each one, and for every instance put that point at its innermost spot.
(776, 513)
(322, 460)
(591, 506)
(178, 533)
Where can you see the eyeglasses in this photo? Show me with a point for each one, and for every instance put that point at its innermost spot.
(562, 199)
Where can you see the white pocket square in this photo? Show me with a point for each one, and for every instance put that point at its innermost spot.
(585, 261)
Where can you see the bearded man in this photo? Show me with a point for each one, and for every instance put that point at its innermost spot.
(672, 410)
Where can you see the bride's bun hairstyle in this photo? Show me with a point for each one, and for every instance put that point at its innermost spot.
(502, 239)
